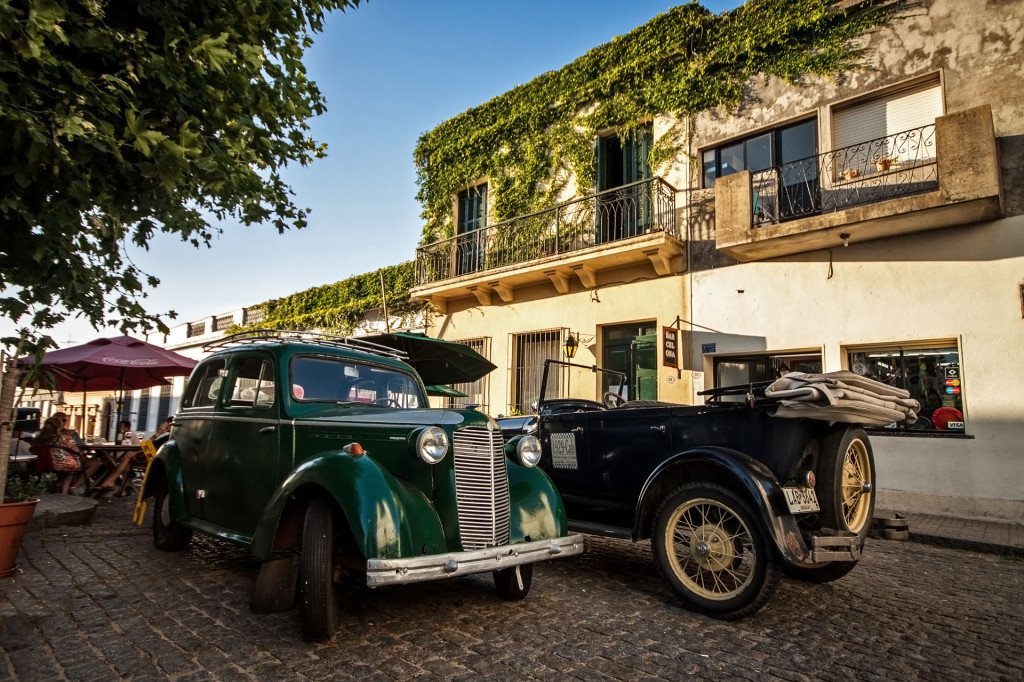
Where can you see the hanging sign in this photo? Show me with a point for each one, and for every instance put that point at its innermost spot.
(670, 347)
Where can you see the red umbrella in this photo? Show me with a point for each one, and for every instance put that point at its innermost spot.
(121, 363)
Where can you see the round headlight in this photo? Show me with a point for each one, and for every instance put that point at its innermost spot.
(432, 445)
(528, 451)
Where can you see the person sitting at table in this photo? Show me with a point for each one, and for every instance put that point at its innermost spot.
(89, 465)
(124, 428)
(127, 458)
(163, 432)
(63, 457)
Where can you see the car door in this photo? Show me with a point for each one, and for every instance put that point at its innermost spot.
(626, 444)
(192, 428)
(243, 450)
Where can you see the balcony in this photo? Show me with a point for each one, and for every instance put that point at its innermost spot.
(624, 226)
(932, 177)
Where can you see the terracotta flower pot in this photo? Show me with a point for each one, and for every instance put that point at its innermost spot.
(14, 518)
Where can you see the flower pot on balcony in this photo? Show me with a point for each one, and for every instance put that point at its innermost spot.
(14, 518)
(882, 165)
(851, 173)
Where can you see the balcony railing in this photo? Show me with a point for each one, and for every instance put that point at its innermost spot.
(892, 166)
(606, 217)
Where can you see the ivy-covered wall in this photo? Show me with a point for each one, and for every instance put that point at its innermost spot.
(342, 306)
(532, 140)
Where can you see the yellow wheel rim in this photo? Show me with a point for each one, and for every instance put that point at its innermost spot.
(857, 486)
(710, 549)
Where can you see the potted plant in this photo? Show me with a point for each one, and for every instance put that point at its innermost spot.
(22, 494)
(851, 173)
(884, 163)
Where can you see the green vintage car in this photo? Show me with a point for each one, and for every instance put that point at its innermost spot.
(322, 456)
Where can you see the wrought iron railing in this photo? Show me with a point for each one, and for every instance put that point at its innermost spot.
(605, 217)
(887, 167)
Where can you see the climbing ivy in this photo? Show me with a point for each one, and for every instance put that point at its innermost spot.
(529, 141)
(341, 306)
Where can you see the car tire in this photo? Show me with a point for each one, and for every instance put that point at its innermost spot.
(168, 535)
(846, 493)
(513, 584)
(846, 482)
(713, 552)
(320, 612)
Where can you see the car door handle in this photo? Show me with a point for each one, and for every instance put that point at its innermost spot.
(660, 427)
(578, 429)
(268, 429)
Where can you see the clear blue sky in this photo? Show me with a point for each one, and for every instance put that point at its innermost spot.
(390, 70)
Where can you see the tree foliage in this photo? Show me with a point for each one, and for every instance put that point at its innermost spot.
(530, 140)
(124, 119)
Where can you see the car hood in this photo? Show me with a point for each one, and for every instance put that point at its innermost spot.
(423, 417)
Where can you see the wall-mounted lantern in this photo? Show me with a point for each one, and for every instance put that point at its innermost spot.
(572, 344)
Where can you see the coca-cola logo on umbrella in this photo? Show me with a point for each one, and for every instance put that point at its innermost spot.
(123, 362)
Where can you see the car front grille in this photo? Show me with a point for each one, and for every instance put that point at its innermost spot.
(481, 488)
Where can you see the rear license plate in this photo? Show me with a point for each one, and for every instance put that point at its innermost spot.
(801, 500)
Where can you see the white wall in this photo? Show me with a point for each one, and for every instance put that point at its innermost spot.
(961, 284)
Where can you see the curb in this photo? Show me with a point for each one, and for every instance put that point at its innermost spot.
(63, 510)
(970, 545)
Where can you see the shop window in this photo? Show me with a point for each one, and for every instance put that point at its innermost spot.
(737, 370)
(931, 375)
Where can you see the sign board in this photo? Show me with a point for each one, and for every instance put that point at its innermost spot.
(670, 347)
(706, 348)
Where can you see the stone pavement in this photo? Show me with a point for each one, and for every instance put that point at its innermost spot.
(980, 536)
(98, 602)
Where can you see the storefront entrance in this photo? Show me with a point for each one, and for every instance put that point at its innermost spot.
(633, 350)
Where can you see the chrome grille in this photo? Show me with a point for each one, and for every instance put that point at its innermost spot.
(481, 488)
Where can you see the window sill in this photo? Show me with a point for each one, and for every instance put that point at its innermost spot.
(901, 433)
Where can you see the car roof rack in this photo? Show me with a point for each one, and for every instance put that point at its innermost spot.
(315, 338)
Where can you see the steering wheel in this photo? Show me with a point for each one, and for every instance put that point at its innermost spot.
(611, 400)
(385, 402)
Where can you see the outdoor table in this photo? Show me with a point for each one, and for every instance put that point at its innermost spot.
(108, 453)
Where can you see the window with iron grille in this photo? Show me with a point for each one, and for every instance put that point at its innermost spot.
(529, 351)
(476, 391)
(196, 329)
(222, 322)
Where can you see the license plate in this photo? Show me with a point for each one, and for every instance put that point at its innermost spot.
(563, 451)
(801, 500)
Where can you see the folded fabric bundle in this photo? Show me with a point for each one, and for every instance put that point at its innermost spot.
(842, 397)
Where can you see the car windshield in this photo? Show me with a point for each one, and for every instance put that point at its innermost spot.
(318, 379)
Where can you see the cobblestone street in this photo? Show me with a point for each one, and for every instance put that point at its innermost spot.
(97, 602)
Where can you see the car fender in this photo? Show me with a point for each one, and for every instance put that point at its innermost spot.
(735, 469)
(388, 518)
(536, 510)
(167, 462)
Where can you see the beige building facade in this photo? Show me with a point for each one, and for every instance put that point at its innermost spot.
(872, 222)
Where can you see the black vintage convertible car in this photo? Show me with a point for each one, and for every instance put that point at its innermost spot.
(730, 495)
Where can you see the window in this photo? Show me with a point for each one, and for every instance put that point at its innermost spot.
(253, 384)
(895, 112)
(621, 162)
(762, 151)
(736, 370)
(476, 391)
(164, 403)
(472, 215)
(204, 391)
(894, 130)
(529, 351)
(340, 381)
(930, 374)
(141, 422)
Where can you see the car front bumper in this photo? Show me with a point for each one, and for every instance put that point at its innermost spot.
(453, 564)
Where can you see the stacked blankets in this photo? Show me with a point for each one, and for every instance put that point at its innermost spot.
(842, 397)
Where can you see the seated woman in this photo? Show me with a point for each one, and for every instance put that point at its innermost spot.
(60, 456)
